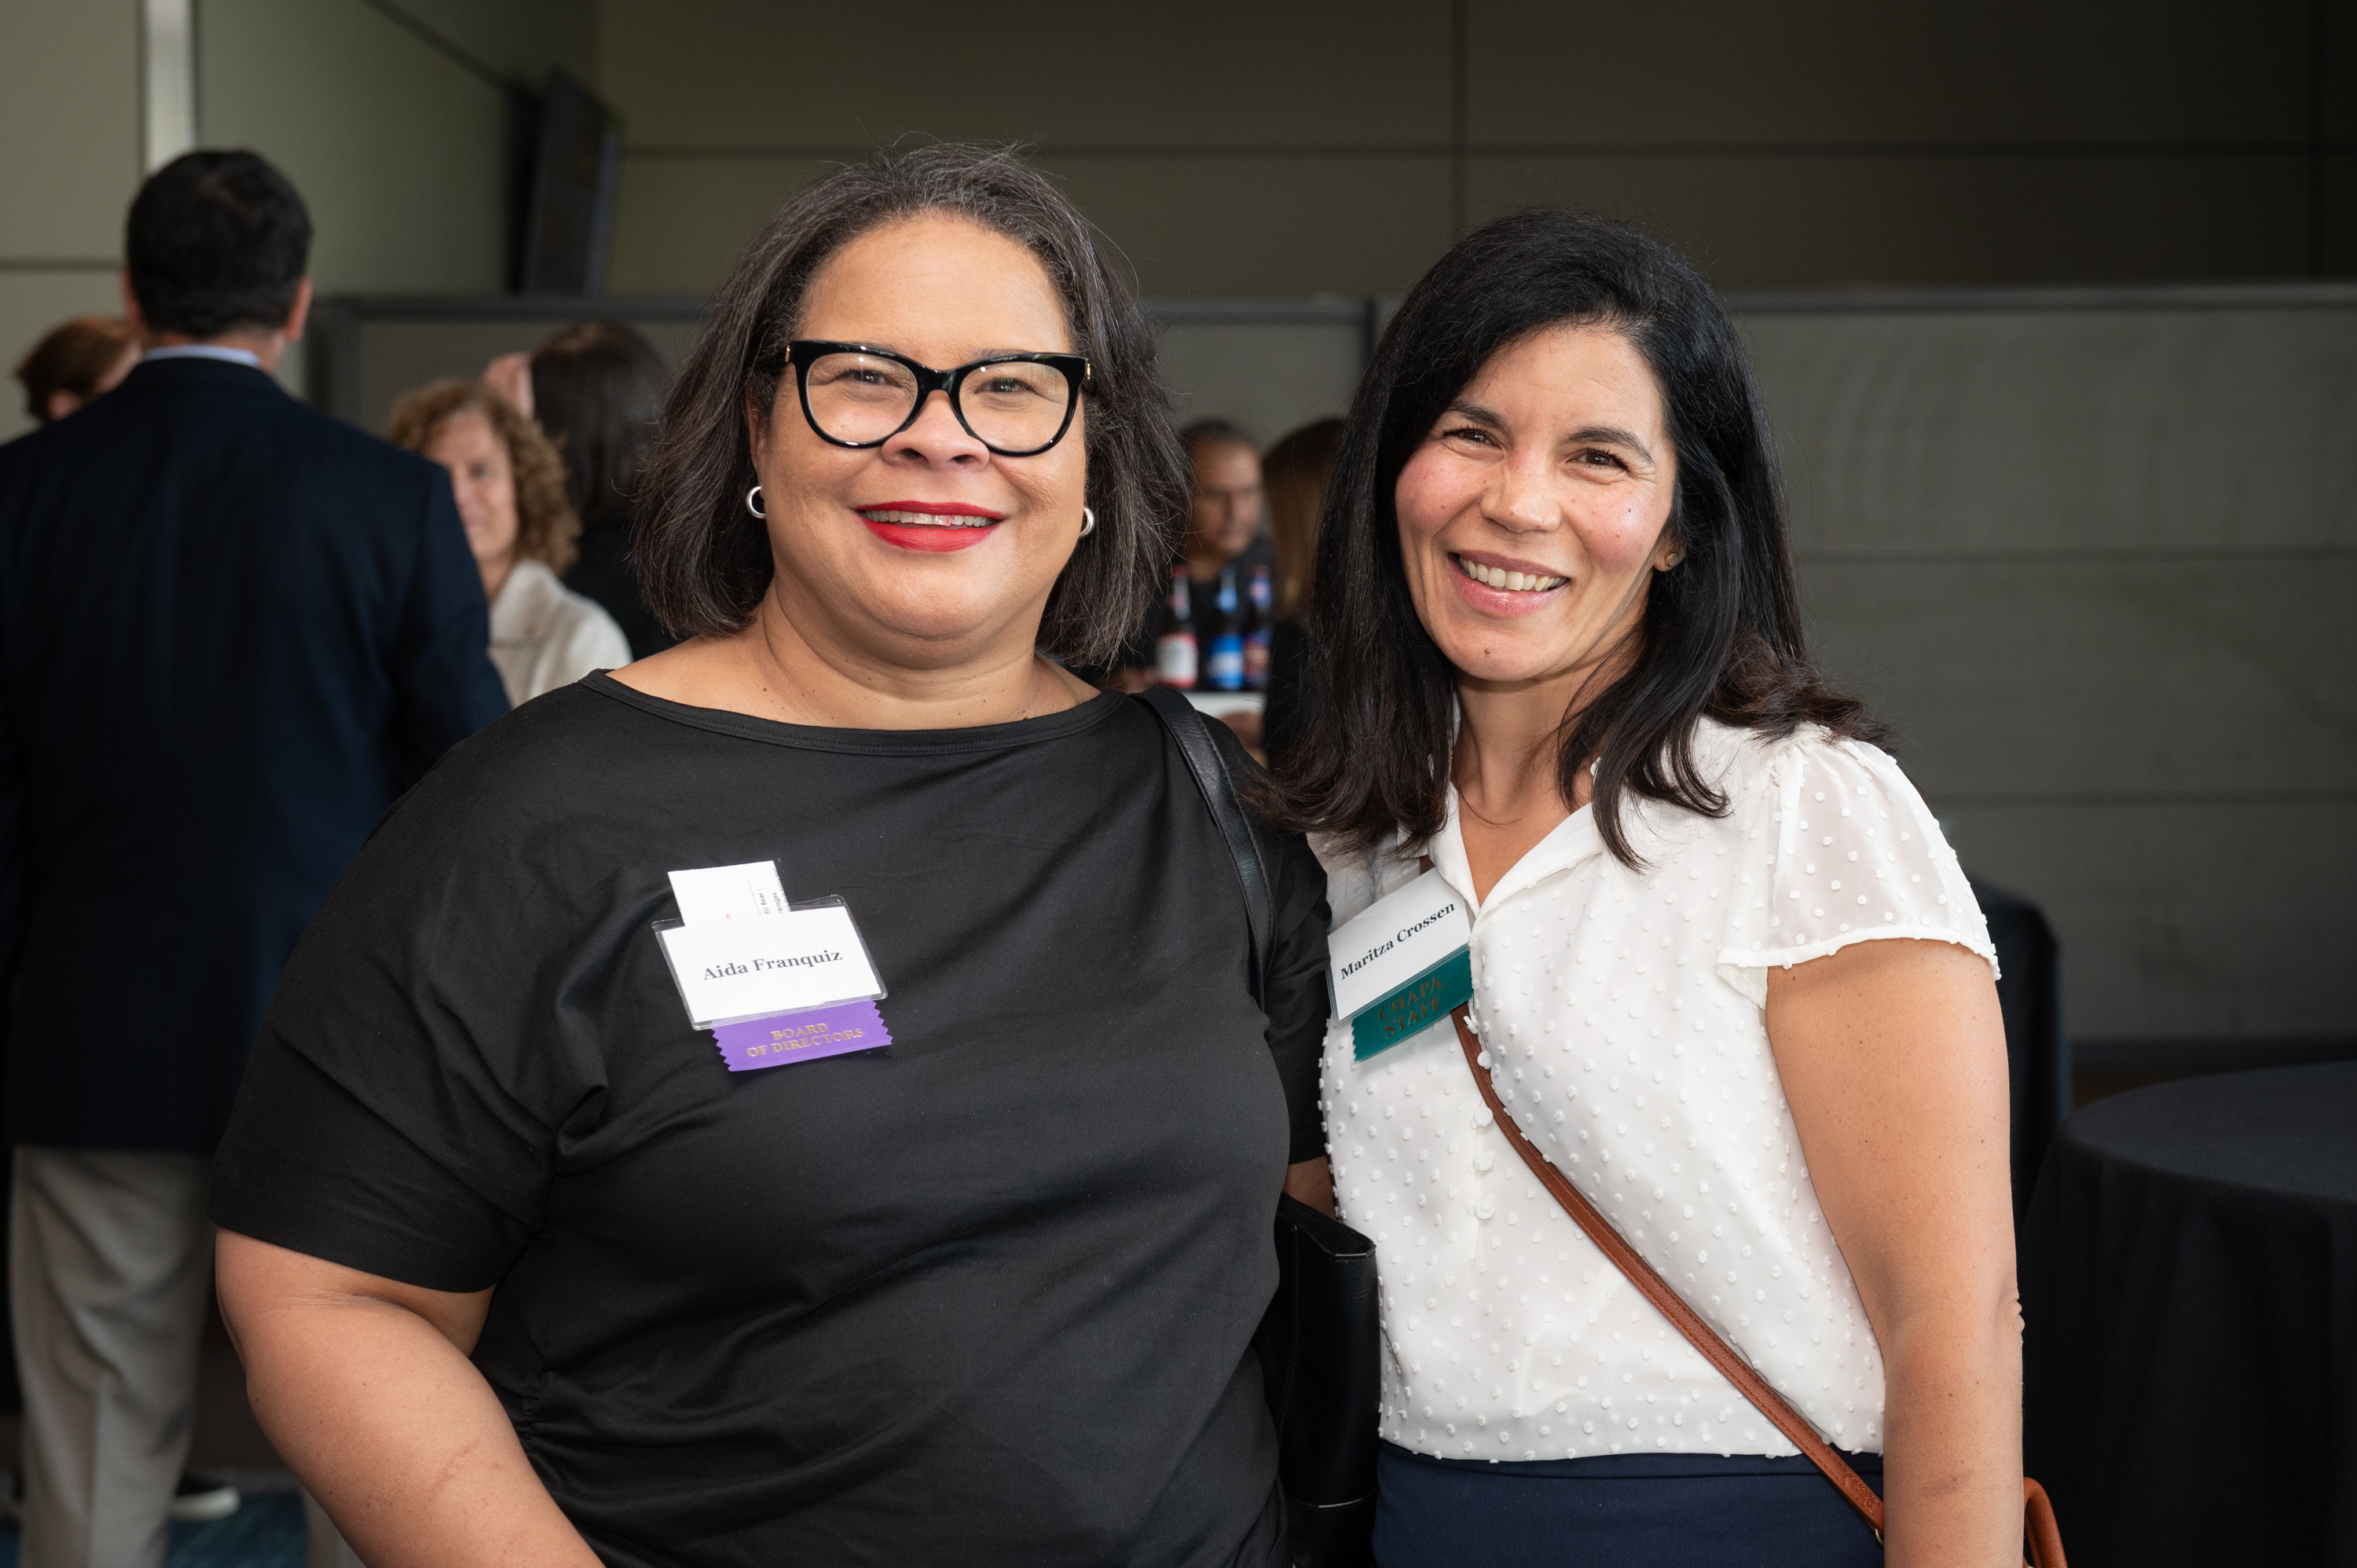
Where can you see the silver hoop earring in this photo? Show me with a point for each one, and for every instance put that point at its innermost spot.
(1089, 523)
(751, 497)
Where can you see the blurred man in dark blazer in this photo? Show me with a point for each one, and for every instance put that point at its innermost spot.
(231, 632)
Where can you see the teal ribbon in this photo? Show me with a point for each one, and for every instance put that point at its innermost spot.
(1414, 1007)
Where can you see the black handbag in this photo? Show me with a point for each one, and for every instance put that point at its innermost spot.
(1320, 1341)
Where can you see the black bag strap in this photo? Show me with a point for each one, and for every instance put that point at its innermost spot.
(1192, 731)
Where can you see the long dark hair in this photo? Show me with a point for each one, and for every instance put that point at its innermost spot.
(706, 562)
(597, 390)
(1721, 632)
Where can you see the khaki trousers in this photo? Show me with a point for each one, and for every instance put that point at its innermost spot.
(110, 1267)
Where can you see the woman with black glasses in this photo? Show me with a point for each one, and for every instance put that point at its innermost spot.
(801, 1098)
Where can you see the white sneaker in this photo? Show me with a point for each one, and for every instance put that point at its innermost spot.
(200, 1501)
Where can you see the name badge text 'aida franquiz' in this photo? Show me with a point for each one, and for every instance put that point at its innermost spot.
(762, 964)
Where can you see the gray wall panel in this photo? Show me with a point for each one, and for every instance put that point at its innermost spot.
(2127, 678)
(1217, 72)
(1863, 215)
(690, 220)
(2097, 566)
(1269, 379)
(69, 109)
(400, 152)
(2122, 429)
(2183, 921)
(1290, 225)
(1830, 141)
(1859, 70)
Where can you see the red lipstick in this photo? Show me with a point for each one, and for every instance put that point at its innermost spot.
(917, 536)
(936, 538)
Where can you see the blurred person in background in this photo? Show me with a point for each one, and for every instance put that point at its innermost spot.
(85, 357)
(511, 490)
(1220, 551)
(597, 389)
(1295, 474)
(1223, 548)
(1223, 526)
(232, 630)
(73, 364)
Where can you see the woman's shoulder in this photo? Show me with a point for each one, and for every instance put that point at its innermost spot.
(513, 835)
(1745, 764)
(1834, 844)
(1756, 773)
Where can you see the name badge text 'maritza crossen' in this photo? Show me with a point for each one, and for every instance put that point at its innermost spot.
(1400, 967)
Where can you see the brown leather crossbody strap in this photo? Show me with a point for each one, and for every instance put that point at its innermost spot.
(1665, 1296)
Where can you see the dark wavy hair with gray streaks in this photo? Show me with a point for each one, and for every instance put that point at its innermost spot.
(704, 561)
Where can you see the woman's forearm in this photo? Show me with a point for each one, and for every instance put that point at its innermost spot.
(397, 1434)
(1952, 1443)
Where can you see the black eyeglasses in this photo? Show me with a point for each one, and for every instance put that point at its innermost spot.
(1019, 405)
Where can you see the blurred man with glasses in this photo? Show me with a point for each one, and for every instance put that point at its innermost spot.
(1223, 536)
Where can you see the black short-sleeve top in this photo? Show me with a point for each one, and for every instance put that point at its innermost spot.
(986, 1295)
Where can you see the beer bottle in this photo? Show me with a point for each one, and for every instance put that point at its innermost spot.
(1174, 649)
(1225, 667)
(1256, 632)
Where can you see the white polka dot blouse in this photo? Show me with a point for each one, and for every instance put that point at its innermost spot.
(1623, 1013)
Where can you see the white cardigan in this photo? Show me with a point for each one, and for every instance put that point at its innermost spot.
(545, 635)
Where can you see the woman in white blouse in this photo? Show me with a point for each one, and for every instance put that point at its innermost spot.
(1729, 977)
(509, 484)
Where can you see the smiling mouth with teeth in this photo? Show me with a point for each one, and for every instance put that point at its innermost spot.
(1511, 581)
(925, 519)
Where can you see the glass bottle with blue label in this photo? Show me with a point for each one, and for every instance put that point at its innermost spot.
(1224, 669)
(1256, 632)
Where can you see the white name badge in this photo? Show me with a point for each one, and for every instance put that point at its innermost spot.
(1398, 938)
(753, 966)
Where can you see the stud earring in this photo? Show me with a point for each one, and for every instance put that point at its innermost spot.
(1087, 523)
(752, 502)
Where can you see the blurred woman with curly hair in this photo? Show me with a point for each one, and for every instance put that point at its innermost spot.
(509, 483)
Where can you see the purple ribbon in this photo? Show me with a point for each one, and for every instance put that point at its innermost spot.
(785, 1038)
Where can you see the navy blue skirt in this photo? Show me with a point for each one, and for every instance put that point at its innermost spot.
(1628, 1510)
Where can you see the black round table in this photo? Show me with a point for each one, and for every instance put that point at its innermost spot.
(2189, 1275)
